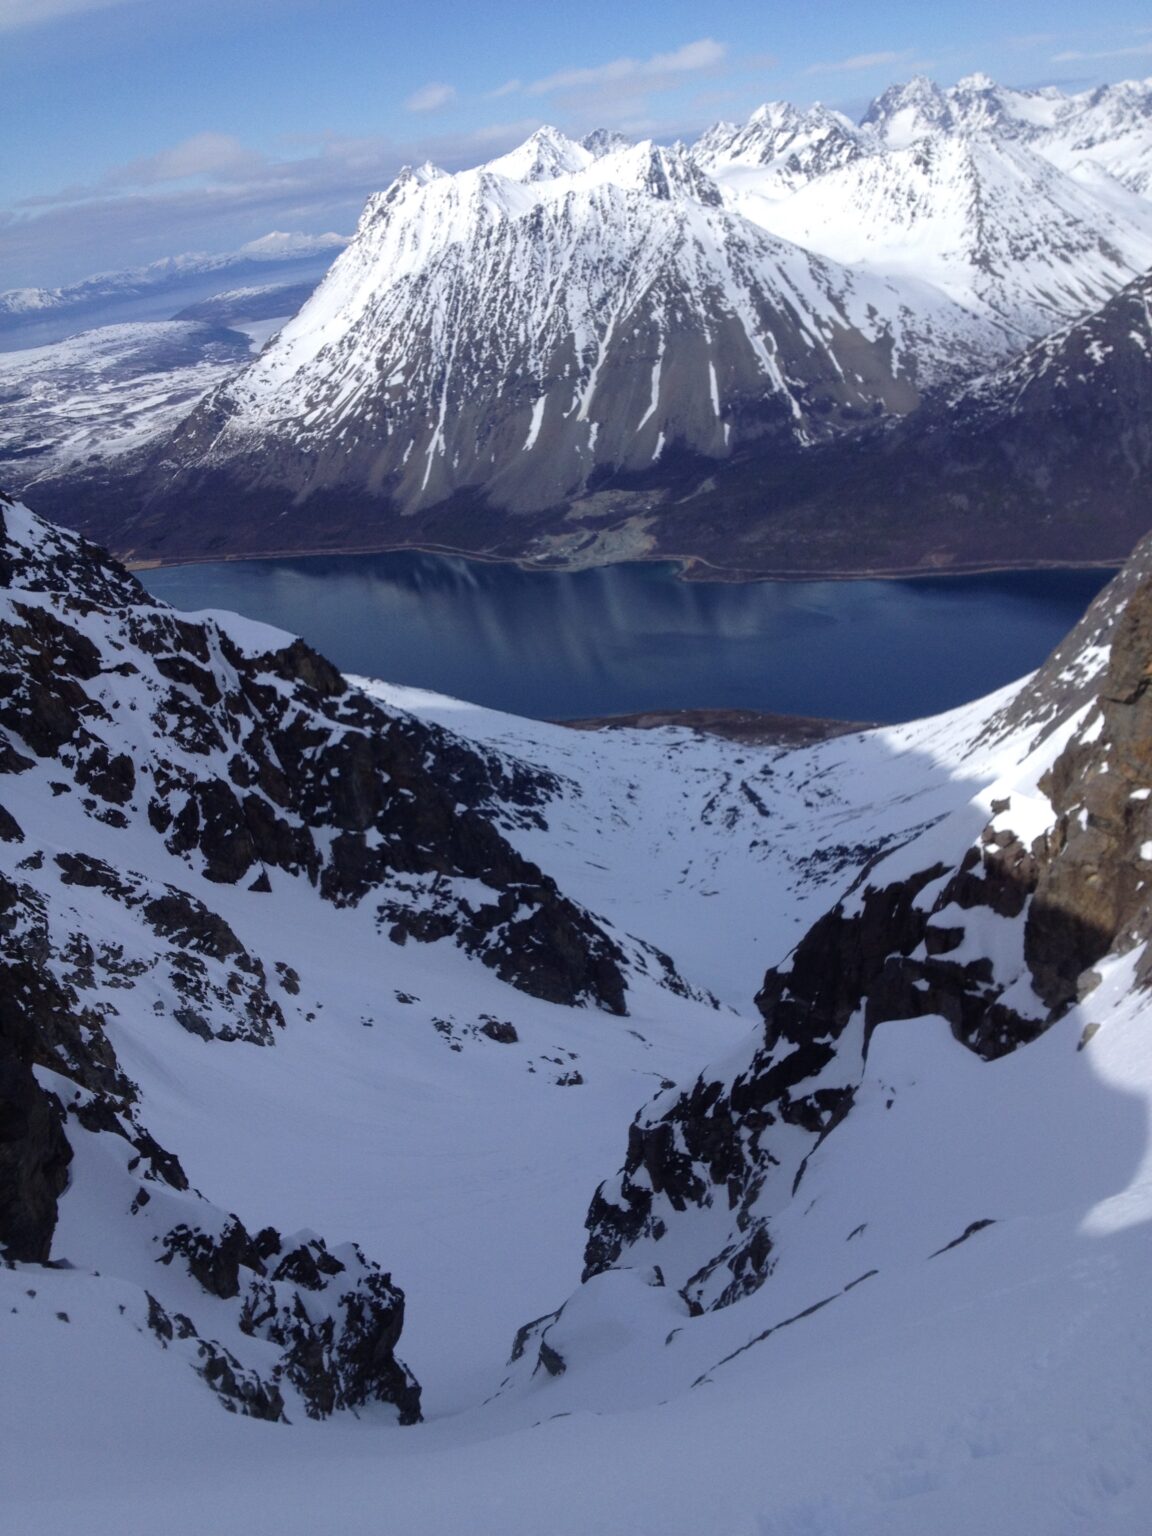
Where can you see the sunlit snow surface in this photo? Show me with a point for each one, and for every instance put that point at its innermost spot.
(1001, 1385)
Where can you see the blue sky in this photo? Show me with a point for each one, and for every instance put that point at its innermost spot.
(140, 128)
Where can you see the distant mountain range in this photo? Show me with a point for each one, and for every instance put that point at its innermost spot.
(38, 316)
(596, 349)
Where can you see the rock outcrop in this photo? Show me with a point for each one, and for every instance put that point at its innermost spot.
(191, 758)
(263, 758)
(335, 1316)
(997, 935)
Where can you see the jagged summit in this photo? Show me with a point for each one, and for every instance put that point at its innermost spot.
(545, 154)
(904, 113)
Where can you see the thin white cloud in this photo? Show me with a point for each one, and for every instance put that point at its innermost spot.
(860, 61)
(17, 14)
(430, 98)
(215, 155)
(706, 53)
(1075, 56)
(509, 88)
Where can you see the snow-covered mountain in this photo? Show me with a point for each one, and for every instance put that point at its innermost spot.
(555, 352)
(962, 188)
(1108, 128)
(520, 334)
(284, 953)
(600, 350)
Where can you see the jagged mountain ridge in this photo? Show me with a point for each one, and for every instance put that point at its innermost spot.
(994, 226)
(964, 188)
(1105, 128)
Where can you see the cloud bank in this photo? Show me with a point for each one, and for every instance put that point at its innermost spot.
(18, 14)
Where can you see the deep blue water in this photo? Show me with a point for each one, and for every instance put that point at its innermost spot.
(557, 645)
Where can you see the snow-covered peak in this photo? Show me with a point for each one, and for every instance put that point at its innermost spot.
(793, 147)
(904, 113)
(279, 243)
(668, 173)
(601, 141)
(1107, 128)
(547, 153)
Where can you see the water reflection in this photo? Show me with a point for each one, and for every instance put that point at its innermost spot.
(633, 637)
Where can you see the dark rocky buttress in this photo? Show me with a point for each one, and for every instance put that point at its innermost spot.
(223, 755)
(912, 946)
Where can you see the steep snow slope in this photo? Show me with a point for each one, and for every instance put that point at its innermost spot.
(881, 1376)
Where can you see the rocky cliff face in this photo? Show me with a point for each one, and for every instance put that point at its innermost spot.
(997, 933)
(1046, 459)
(162, 779)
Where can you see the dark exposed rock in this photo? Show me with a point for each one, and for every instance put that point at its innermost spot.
(969, 1231)
(891, 950)
(500, 1030)
(1092, 891)
(259, 763)
(552, 1360)
(531, 1333)
(113, 778)
(41, 1010)
(228, 1002)
(240, 1390)
(214, 1261)
(98, 1114)
(189, 923)
(34, 1153)
(338, 1348)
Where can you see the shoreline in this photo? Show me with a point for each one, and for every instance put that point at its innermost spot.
(752, 727)
(689, 567)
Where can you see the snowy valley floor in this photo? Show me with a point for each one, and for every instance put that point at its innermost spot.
(881, 1383)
